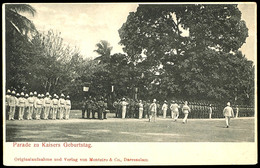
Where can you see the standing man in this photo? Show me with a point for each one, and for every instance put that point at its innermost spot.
(164, 108)
(88, 107)
(30, 106)
(228, 113)
(210, 111)
(34, 108)
(55, 106)
(21, 105)
(12, 104)
(105, 109)
(26, 108)
(124, 104)
(237, 110)
(141, 109)
(61, 107)
(42, 111)
(38, 105)
(84, 107)
(174, 110)
(94, 105)
(7, 107)
(115, 105)
(67, 108)
(153, 110)
(186, 110)
(158, 109)
(47, 106)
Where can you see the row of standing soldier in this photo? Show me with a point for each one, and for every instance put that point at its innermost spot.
(33, 106)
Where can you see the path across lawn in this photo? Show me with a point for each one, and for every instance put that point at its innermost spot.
(130, 130)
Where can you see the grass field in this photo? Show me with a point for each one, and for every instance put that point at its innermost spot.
(129, 130)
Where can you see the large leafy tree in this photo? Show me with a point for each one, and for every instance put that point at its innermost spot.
(191, 50)
(17, 31)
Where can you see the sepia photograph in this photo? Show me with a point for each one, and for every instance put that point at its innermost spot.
(129, 83)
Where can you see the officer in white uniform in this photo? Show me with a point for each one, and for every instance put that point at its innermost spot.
(228, 113)
(123, 104)
(47, 105)
(26, 106)
(164, 108)
(141, 109)
(12, 103)
(186, 110)
(61, 107)
(34, 108)
(55, 106)
(153, 110)
(174, 110)
(38, 105)
(21, 105)
(7, 107)
(31, 100)
(67, 108)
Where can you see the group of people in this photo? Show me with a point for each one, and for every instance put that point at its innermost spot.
(94, 105)
(36, 106)
(145, 109)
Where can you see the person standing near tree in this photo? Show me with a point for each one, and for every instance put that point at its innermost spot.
(237, 110)
(141, 108)
(228, 113)
(55, 106)
(210, 111)
(153, 111)
(67, 108)
(38, 105)
(7, 107)
(47, 105)
(61, 107)
(30, 106)
(164, 109)
(21, 105)
(174, 110)
(12, 104)
(186, 110)
(88, 107)
(124, 104)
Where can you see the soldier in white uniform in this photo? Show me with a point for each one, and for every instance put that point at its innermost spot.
(141, 109)
(12, 103)
(26, 107)
(34, 108)
(61, 107)
(174, 110)
(164, 108)
(67, 108)
(210, 111)
(123, 104)
(31, 100)
(42, 111)
(21, 105)
(55, 105)
(38, 105)
(186, 110)
(7, 107)
(153, 110)
(47, 105)
(228, 113)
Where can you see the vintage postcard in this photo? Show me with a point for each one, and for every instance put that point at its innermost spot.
(87, 84)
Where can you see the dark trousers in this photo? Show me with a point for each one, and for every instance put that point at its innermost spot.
(88, 113)
(83, 113)
(100, 114)
(105, 115)
(93, 114)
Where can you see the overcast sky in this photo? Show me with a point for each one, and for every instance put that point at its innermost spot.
(84, 25)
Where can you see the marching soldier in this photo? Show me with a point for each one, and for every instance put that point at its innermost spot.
(174, 110)
(16, 113)
(67, 108)
(30, 106)
(186, 110)
(141, 109)
(7, 107)
(61, 107)
(47, 106)
(228, 113)
(152, 110)
(26, 108)
(12, 103)
(164, 108)
(38, 106)
(21, 105)
(55, 106)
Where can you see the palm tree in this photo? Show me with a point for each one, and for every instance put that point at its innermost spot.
(104, 51)
(17, 24)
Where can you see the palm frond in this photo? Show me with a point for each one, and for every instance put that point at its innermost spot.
(25, 8)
